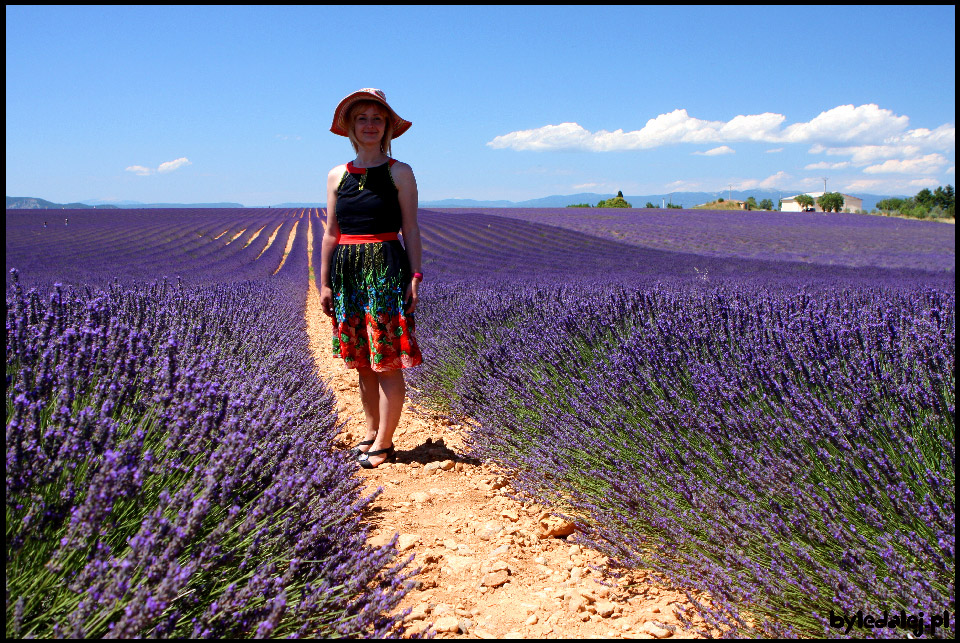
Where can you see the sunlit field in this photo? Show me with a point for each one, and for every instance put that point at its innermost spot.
(758, 406)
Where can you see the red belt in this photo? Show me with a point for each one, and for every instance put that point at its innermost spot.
(350, 239)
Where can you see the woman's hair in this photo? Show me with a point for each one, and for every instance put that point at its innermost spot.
(388, 130)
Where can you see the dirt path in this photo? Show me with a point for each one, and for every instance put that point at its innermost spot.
(491, 569)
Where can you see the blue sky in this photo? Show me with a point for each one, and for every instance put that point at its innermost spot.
(210, 104)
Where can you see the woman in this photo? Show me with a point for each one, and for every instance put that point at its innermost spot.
(368, 280)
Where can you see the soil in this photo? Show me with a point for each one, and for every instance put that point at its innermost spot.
(489, 566)
(270, 241)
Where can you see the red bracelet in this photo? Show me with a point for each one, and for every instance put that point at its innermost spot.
(418, 275)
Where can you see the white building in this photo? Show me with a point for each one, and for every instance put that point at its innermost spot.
(850, 203)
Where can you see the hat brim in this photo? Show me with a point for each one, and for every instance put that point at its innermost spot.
(339, 125)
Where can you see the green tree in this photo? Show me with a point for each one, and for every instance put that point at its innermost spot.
(751, 203)
(950, 202)
(831, 202)
(941, 203)
(804, 201)
(944, 197)
(650, 205)
(925, 198)
(766, 204)
(620, 194)
(615, 202)
(892, 204)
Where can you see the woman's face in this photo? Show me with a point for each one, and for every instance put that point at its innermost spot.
(369, 125)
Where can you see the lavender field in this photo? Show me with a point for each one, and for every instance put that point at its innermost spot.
(169, 463)
(838, 239)
(758, 408)
(763, 409)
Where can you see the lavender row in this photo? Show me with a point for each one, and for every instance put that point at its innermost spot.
(838, 239)
(473, 248)
(787, 453)
(198, 246)
(170, 472)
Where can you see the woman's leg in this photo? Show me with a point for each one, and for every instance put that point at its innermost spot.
(392, 392)
(370, 396)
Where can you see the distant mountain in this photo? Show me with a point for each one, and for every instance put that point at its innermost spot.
(187, 205)
(31, 203)
(119, 204)
(138, 204)
(468, 203)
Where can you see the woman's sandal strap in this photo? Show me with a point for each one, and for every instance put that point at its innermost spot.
(355, 451)
(365, 462)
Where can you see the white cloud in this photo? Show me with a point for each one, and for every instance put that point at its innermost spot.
(867, 134)
(759, 127)
(890, 186)
(865, 184)
(583, 186)
(723, 149)
(825, 165)
(909, 146)
(682, 186)
(810, 183)
(861, 155)
(845, 123)
(170, 166)
(943, 139)
(773, 181)
(674, 127)
(928, 164)
(163, 168)
(556, 137)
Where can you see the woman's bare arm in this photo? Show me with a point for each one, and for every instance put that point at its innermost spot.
(331, 236)
(406, 184)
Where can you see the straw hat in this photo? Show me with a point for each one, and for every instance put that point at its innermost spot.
(339, 123)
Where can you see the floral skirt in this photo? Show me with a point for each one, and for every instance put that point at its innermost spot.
(370, 327)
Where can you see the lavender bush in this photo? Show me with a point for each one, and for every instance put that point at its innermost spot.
(477, 248)
(199, 246)
(777, 434)
(169, 462)
(788, 454)
(837, 239)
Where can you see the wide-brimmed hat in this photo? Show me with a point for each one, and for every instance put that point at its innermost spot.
(339, 117)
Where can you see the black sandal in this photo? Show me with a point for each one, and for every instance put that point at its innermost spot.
(355, 451)
(365, 461)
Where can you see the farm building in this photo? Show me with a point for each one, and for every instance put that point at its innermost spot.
(850, 203)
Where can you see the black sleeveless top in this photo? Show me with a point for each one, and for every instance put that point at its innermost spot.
(367, 200)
